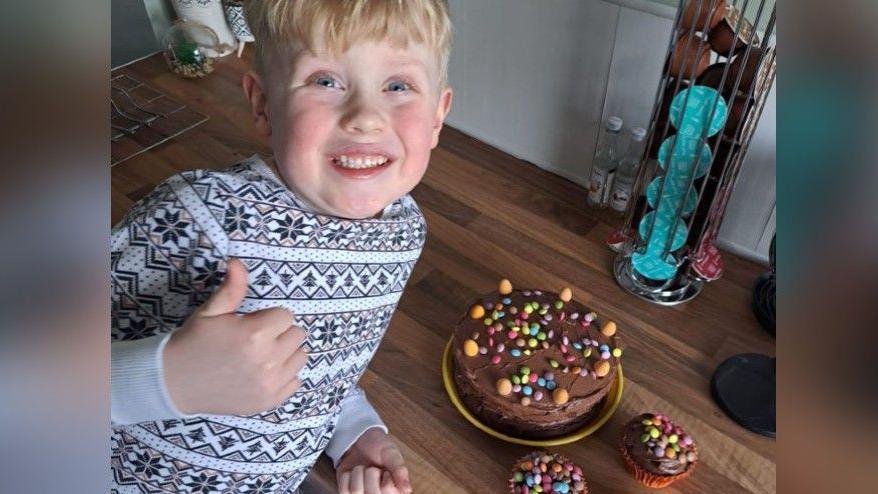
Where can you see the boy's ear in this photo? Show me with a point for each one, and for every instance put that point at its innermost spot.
(253, 91)
(441, 113)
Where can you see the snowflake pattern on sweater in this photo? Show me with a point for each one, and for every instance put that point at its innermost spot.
(341, 279)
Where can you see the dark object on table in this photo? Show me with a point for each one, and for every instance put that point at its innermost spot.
(744, 387)
(764, 295)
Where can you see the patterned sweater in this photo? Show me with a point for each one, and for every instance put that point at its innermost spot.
(341, 279)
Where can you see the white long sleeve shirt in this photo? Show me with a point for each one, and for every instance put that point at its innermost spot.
(340, 278)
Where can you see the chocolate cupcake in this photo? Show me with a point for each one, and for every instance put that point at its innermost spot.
(553, 473)
(657, 452)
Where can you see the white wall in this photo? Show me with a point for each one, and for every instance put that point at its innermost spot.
(530, 77)
(535, 79)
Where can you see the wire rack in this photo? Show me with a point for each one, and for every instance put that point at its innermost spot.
(142, 117)
(719, 68)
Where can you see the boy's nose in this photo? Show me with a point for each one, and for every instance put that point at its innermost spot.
(361, 117)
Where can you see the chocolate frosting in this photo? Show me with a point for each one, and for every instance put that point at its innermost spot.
(476, 377)
(643, 455)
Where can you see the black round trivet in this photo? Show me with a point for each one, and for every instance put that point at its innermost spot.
(744, 387)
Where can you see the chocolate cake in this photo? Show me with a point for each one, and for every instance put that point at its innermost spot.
(534, 364)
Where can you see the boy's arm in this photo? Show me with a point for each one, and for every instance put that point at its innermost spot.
(137, 385)
(163, 265)
(357, 416)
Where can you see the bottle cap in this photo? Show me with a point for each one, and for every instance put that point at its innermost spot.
(614, 124)
(638, 133)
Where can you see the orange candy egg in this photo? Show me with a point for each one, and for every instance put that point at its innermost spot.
(608, 329)
(505, 287)
(470, 348)
(560, 396)
(566, 294)
(477, 311)
(602, 368)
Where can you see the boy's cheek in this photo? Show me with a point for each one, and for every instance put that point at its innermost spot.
(303, 131)
(416, 127)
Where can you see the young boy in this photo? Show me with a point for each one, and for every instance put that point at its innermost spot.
(240, 388)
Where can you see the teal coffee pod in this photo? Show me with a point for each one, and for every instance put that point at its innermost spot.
(700, 113)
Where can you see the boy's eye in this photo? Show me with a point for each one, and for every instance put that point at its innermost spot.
(326, 81)
(398, 86)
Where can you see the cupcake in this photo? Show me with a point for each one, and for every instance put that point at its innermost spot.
(546, 473)
(656, 451)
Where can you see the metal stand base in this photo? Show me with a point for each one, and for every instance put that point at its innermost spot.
(681, 289)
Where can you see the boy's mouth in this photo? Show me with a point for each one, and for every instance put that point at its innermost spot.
(360, 162)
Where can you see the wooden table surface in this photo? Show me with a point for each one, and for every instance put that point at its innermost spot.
(491, 216)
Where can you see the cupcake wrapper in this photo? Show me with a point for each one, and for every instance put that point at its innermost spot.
(527, 457)
(648, 478)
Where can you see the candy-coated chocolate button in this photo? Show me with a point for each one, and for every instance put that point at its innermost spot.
(470, 348)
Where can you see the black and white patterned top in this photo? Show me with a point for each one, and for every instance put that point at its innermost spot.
(342, 280)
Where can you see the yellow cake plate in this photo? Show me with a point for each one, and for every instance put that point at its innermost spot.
(610, 405)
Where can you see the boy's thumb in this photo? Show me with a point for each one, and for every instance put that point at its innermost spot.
(230, 293)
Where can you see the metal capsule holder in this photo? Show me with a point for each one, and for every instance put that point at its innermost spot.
(702, 123)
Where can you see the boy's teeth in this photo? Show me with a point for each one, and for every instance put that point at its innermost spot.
(365, 162)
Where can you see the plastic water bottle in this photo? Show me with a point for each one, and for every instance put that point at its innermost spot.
(623, 181)
(604, 164)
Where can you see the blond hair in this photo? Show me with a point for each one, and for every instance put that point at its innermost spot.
(336, 24)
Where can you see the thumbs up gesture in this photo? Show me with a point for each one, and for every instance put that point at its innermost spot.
(220, 362)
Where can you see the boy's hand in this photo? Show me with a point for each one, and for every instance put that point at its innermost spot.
(373, 465)
(223, 363)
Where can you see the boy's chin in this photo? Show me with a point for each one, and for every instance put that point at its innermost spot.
(359, 210)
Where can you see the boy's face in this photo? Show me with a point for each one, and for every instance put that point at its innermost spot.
(352, 132)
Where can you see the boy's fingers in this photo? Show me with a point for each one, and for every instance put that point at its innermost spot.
(372, 481)
(357, 479)
(230, 293)
(294, 363)
(387, 485)
(288, 390)
(401, 479)
(292, 338)
(273, 321)
(344, 483)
